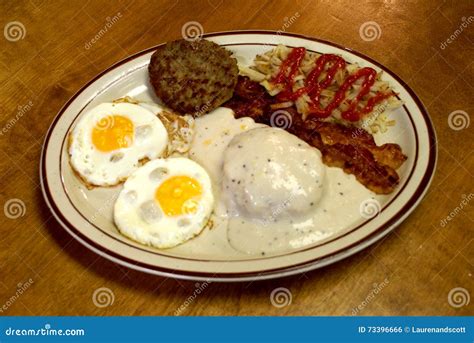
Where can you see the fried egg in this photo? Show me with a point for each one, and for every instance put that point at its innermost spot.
(112, 140)
(165, 202)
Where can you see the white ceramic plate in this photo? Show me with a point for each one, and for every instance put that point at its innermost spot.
(87, 215)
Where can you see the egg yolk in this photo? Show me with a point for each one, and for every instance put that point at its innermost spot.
(112, 132)
(179, 195)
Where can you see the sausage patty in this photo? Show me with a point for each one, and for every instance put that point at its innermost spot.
(193, 77)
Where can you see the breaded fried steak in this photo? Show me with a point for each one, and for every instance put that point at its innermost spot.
(193, 77)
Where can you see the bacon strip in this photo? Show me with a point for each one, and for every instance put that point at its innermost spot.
(387, 154)
(350, 148)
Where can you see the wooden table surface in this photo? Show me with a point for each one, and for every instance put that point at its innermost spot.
(45, 59)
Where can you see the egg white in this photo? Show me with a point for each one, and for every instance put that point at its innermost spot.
(100, 168)
(139, 216)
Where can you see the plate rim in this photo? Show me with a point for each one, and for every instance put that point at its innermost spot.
(347, 251)
(144, 248)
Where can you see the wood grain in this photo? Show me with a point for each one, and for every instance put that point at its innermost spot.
(419, 263)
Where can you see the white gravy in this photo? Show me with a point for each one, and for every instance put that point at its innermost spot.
(338, 209)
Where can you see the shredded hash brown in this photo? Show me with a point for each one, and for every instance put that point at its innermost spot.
(267, 65)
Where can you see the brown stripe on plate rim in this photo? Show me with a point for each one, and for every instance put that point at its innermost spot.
(422, 187)
(125, 241)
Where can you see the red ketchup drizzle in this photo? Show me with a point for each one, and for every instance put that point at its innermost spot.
(313, 88)
(287, 72)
